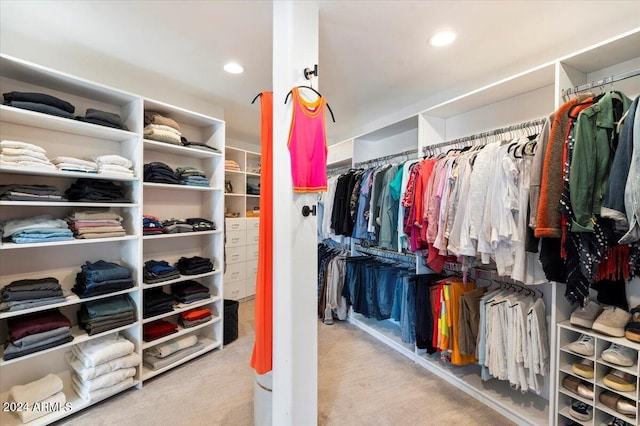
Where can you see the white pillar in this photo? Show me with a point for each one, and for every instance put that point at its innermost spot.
(295, 334)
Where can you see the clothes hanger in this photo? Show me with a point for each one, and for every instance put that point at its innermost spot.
(317, 93)
(256, 98)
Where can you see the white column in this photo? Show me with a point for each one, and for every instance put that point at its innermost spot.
(295, 339)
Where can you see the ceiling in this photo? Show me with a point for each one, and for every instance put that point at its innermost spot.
(375, 63)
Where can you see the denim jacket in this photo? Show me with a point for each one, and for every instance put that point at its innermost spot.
(592, 156)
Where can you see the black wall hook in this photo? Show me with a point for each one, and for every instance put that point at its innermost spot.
(306, 210)
(310, 73)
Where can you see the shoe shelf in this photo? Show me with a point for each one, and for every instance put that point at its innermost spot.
(602, 414)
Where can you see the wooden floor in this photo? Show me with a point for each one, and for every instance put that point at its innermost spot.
(361, 382)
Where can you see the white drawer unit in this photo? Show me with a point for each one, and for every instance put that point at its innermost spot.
(234, 290)
(253, 236)
(235, 272)
(236, 254)
(252, 268)
(235, 224)
(253, 223)
(242, 257)
(236, 238)
(252, 252)
(250, 287)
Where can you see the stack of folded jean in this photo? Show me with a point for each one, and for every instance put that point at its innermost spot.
(189, 291)
(17, 192)
(38, 229)
(46, 394)
(201, 224)
(30, 293)
(175, 226)
(162, 129)
(98, 223)
(194, 265)
(151, 225)
(103, 315)
(115, 165)
(157, 172)
(103, 366)
(192, 176)
(167, 353)
(194, 317)
(39, 102)
(96, 190)
(24, 155)
(157, 271)
(72, 164)
(102, 278)
(156, 302)
(36, 332)
(103, 118)
(157, 329)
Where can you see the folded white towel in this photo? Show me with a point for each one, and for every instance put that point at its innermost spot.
(12, 226)
(150, 127)
(103, 349)
(113, 159)
(44, 407)
(165, 349)
(23, 158)
(84, 373)
(76, 161)
(22, 145)
(101, 393)
(37, 390)
(27, 165)
(22, 151)
(105, 380)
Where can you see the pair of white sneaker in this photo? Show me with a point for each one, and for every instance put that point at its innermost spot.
(615, 353)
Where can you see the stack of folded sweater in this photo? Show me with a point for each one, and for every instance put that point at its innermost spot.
(103, 118)
(201, 224)
(38, 229)
(151, 225)
(99, 223)
(18, 192)
(231, 165)
(192, 176)
(161, 129)
(30, 293)
(175, 226)
(96, 190)
(156, 302)
(72, 164)
(24, 155)
(194, 265)
(158, 172)
(46, 394)
(157, 271)
(103, 366)
(102, 278)
(157, 329)
(36, 332)
(39, 102)
(167, 353)
(189, 291)
(115, 165)
(103, 315)
(194, 317)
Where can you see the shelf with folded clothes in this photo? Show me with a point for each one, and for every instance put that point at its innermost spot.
(72, 299)
(209, 345)
(182, 278)
(154, 185)
(66, 204)
(182, 307)
(182, 234)
(79, 336)
(186, 151)
(65, 174)
(60, 124)
(181, 331)
(12, 246)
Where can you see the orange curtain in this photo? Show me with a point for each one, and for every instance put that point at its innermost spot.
(262, 357)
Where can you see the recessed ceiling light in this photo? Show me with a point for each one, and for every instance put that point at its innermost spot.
(233, 68)
(442, 38)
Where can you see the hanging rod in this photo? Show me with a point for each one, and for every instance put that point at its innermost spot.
(600, 83)
(513, 127)
(333, 171)
(384, 253)
(385, 158)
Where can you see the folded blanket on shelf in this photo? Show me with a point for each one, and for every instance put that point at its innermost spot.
(196, 314)
(162, 136)
(102, 349)
(88, 373)
(163, 350)
(36, 322)
(21, 145)
(17, 152)
(163, 128)
(46, 406)
(35, 391)
(156, 363)
(103, 393)
(28, 165)
(13, 226)
(40, 98)
(104, 381)
(75, 161)
(151, 117)
(157, 329)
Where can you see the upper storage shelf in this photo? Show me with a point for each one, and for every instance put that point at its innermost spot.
(621, 49)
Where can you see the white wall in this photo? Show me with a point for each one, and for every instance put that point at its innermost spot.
(367, 150)
(243, 144)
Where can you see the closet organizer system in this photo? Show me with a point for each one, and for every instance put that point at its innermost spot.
(63, 260)
(510, 107)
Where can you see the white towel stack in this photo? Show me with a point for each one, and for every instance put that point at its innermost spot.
(103, 367)
(114, 165)
(38, 398)
(24, 155)
(75, 164)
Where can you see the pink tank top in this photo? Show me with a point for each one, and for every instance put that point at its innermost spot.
(308, 145)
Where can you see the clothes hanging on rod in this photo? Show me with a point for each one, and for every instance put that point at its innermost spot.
(566, 94)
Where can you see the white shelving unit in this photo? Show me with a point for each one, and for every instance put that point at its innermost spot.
(239, 201)
(529, 95)
(62, 260)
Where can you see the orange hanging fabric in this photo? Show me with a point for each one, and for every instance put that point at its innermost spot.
(262, 357)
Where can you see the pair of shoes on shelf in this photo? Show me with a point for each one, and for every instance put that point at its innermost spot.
(619, 355)
(581, 411)
(618, 403)
(583, 368)
(632, 329)
(620, 381)
(615, 422)
(610, 320)
(578, 387)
